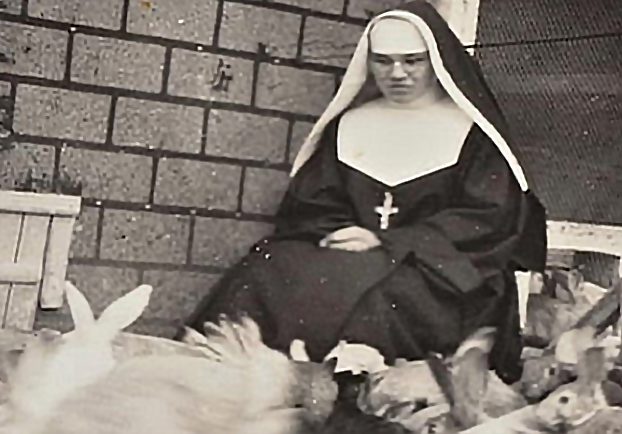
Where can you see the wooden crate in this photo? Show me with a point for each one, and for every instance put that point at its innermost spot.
(35, 237)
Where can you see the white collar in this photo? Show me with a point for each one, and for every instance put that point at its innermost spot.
(394, 144)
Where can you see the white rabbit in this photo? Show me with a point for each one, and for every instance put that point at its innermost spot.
(245, 388)
(52, 365)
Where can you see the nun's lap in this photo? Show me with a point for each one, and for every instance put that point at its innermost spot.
(297, 291)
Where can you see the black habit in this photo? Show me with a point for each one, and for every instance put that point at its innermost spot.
(446, 264)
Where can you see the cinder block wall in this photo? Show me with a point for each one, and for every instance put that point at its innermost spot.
(179, 120)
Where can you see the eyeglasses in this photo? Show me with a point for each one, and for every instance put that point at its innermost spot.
(406, 61)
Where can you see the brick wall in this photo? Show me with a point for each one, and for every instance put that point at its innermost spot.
(179, 120)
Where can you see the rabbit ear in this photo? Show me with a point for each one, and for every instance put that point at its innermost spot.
(591, 366)
(442, 376)
(548, 284)
(330, 365)
(470, 384)
(564, 294)
(124, 311)
(81, 312)
(483, 338)
(536, 282)
(575, 279)
(562, 285)
(470, 376)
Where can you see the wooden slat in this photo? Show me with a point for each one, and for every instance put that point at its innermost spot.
(22, 308)
(585, 237)
(9, 234)
(10, 225)
(19, 273)
(38, 203)
(23, 298)
(56, 260)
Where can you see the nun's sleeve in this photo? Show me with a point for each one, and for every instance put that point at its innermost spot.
(315, 204)
(474, 238)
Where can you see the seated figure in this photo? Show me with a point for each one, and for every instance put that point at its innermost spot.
(407, 214)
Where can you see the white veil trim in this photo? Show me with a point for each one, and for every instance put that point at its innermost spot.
(356, 75)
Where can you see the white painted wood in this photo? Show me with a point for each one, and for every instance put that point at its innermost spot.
(56, 260)
(37, 230)
(585, 237)
(23, 297)
(39, 203)
(10, 229)
(20, 272)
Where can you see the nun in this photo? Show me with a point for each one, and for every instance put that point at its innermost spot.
(407, 213)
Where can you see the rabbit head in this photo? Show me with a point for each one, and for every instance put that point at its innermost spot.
(574, 403)
(315, 388)
(557, 365)
(52, 365)
(542, 374)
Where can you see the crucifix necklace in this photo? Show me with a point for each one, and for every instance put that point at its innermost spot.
(386, 210)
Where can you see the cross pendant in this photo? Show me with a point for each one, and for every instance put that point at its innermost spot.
(386, 210)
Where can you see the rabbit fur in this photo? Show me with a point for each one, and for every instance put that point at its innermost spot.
(575, 403)
(52, 365)
(476, 393)
(243, 388)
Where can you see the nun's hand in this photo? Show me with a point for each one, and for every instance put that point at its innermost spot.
(352, 239)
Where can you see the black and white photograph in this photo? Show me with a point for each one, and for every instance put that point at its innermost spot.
(310, 216)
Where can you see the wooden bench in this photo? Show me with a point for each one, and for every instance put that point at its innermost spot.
(35, 237)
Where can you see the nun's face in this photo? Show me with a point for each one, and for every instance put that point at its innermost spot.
(402, 78)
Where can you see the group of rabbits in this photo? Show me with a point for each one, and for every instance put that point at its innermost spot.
(582, 398)
(570, 385)
(72, 383)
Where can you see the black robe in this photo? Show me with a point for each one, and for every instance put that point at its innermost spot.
(445, 267)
